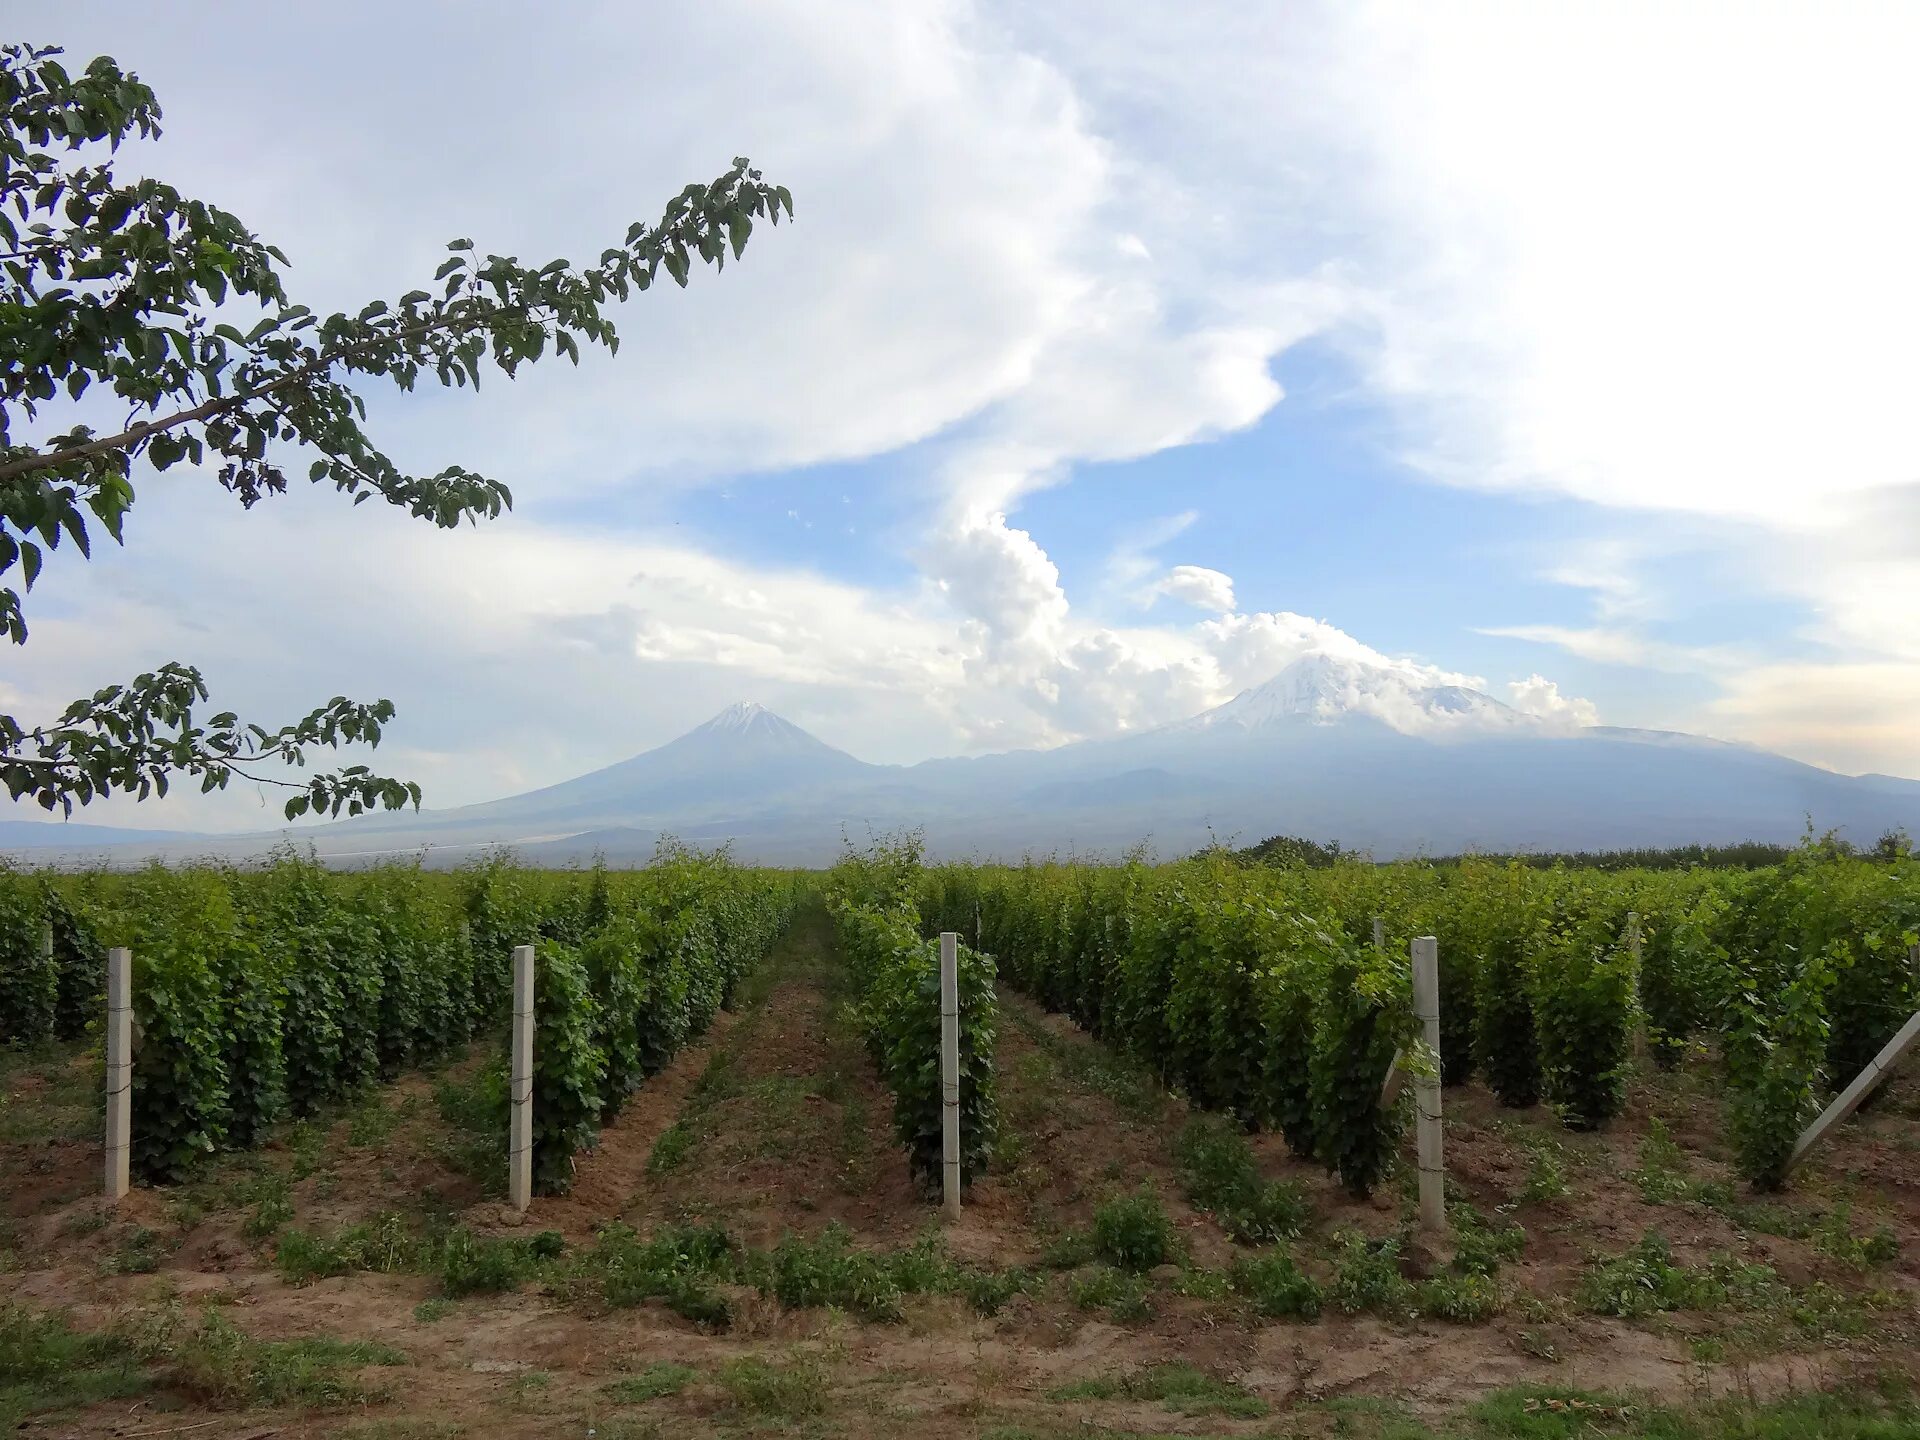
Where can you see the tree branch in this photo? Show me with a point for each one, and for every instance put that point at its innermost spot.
(207, 409)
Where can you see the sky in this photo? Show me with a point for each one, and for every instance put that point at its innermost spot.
(1118, 355)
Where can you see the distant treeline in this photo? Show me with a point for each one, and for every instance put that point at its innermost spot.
(1293, 851)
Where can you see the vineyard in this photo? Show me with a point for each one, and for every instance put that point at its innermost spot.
(1189, 1183)
(274, 993)
(1263, 992)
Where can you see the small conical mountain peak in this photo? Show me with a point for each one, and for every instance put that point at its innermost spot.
(745, 724)
(740, 715)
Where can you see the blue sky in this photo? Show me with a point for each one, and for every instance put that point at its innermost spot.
(1118, 356)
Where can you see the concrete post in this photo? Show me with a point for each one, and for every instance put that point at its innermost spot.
(1864, 1084)
(119, 1071)
(950, 1072)
(1426, 1088)
(520, 1096)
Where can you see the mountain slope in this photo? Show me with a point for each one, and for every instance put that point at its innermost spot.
(739, 760)
(1373, 756)
(68, 834)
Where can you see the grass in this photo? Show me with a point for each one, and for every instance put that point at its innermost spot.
(1462, 1298)
(1663, 1180)
(270, 1195)
(139, 1252)
(1536, 1413)
(1220, 1176)
(1124, 1296)
(1277, 1287)
(685, 1266)
(468, 1264)
(46, 1365)
(792, 1391)
(1133, 1232)
(223, 1366)
(472, 1264)
(384, 1245)
(1546, 1174)
(717, 1083)
(733, 1115)
(657, 1380)
(474, 1109)
(307, 1140)
(373, 1121)
(1647, 1281)
(1088, 1065)
(1835, 1237)
(1181, 1388)
(51, 1091)
(1367, 1278)
(672, 1148)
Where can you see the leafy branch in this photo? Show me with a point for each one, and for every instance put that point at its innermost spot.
(135, 290)
(133, 738)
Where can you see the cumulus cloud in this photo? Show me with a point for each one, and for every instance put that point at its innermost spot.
(1199, 587)
(1540, 697)
(1616, 306)
(998, 261)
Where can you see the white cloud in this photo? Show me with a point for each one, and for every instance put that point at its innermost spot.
(1698, 303)
(1624, 645)
(951, 210)
(1651, 258)
(1199, 587)
(1540, 697)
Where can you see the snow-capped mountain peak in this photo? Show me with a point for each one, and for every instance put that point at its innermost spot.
(748, 726)
(739, 717)
(1324, 689)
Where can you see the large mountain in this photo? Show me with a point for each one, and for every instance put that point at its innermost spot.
(1371, 755)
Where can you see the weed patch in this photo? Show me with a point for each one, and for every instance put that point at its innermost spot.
(650, 1384)
(1218, 1171)
(47, 1365)
(792, 1391)
(222, 1365)
(1181, 1388)
(1277, 1287)
(1133, 1232)
(140, 1253)
(1123, 1295)
(1367, 1278)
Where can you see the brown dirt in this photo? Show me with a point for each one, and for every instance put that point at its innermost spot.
(793, 1132)
(797, 1132)
(607, 1178)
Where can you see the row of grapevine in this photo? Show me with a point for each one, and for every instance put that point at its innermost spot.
(1790, 978)
(896, 976)
(1231, 992)
(52, 964)
(654, 964)
(278, 991)
(1229, 979)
